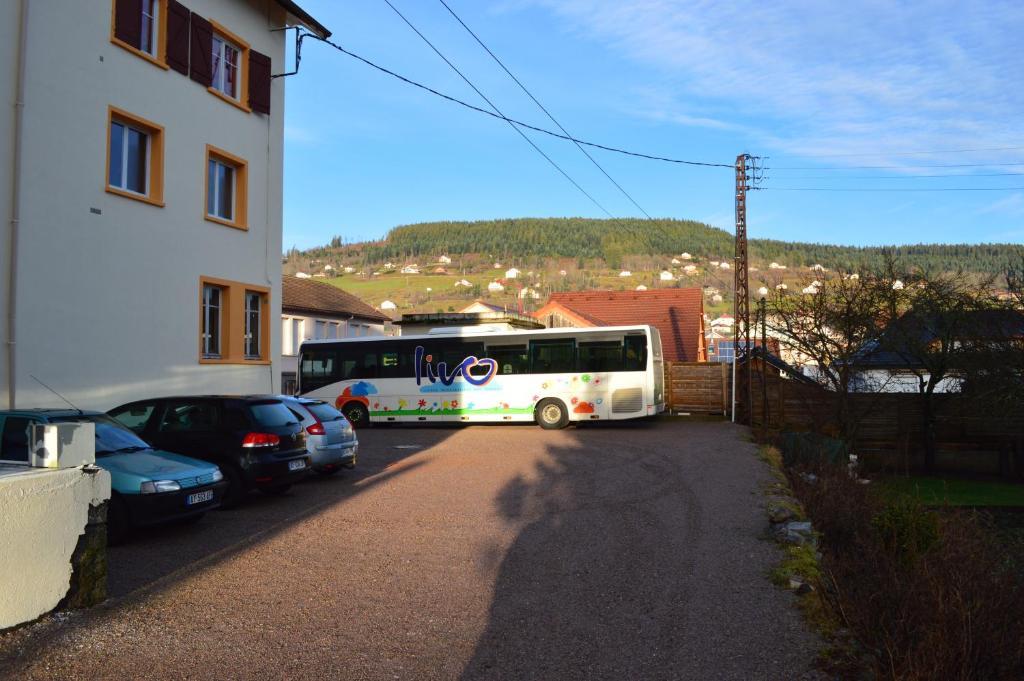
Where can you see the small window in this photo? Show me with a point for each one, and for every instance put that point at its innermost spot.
(226, 196)
(135, 417)
(320, 330)
(14, 443)
(190, 417)
(318, 368)
(135, 158)
(140, 26)
(149, 36)
(635, 355)
(253, 324)
(227, 59)
(213, 308)
(600, 356)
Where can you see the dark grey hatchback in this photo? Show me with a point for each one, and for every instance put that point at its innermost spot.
(255, 440)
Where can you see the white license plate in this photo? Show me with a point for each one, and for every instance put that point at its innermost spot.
(199, 497)
(296, 465)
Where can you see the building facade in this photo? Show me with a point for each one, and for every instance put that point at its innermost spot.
(141, 191)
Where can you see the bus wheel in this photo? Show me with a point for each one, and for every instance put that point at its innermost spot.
(357, 414)
(550, 414)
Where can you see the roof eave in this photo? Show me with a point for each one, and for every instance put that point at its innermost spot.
(297, 15)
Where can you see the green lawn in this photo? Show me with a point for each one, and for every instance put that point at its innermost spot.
(956, 492)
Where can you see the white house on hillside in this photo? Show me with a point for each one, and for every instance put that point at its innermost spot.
(444, 260)
(142, 174)
(495, 287)
(666, 276)
(512, 273)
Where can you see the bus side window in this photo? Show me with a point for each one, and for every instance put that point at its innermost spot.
(556, 356)
(600, 356)
(511, 359)
(635, 354)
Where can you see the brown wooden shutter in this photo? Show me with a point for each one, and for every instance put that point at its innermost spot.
(259, 82)
(128, 22)
(201, 51)
(177, 36)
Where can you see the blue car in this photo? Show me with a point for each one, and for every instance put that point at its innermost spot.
(149, 486)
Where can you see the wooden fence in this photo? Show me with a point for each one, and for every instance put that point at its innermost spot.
(890, 426)
(697, 387)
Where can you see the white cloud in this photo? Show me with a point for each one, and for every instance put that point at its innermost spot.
(836, 78)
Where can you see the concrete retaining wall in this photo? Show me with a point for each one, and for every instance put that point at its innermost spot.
(44, 514)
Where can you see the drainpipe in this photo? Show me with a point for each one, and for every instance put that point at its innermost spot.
(12, 245)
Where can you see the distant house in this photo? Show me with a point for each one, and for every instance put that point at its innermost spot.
(312, 310)
(677, 313)
(714, 263)
(388, 305)
(410, 269)
(495, 287)
(463, 283)
(723, 323)
(818, 268)
(328, 268)
(302, 275)
(724, 266)
(445, 260)
(512, 273)
(675, 261)
(686, 256)
(625, 273)
(666, 276)
(690, 270)
(763, 291)
(776, 266)
(530, 293)
(891, 364)
(641, 287)
(349, 270)
(389, 266)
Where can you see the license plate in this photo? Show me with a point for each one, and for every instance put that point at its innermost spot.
(296, 465)
(199, 497)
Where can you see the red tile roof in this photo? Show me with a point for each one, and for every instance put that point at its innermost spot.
(677, 313)
(317, 297)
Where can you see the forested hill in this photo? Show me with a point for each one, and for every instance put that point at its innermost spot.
(611, 240)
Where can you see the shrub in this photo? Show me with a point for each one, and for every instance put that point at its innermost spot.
(927, 594)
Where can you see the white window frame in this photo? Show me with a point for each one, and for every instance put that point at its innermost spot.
(220, 62)
(208, 351)
(125, 127)
(154, 37)
(211, 166)
(250, 330)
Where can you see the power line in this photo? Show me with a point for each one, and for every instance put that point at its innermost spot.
(496, 109)
(456, 100)
(892, 189)
(911, 153)
(892, 167)
(900, 177)
(541, 106)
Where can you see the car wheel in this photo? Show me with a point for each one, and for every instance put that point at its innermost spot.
(276, 490)
(118, 524)
(357, 414)
(550, 414)
(234, 493)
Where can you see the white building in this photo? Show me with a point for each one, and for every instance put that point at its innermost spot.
(303, 275)
(463, 283)
(445, 260)
(311, 310)
(512, 273)
(625, 273)
(690, 269)
(724, 266)
(776, 266)
(666, 276)
(686, 256)
(411, 269)
(675, 261)
(641, 287)
(388, 305)
(141, 185)
(495, 287)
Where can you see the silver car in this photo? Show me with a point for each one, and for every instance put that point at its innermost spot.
(330, 438)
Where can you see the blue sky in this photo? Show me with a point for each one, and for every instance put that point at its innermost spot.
(871, 83)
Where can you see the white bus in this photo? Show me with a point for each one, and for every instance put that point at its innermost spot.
(480, 374)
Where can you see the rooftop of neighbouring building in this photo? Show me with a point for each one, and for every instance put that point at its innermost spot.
(317, 297)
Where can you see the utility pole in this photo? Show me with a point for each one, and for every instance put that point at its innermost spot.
(748, 174)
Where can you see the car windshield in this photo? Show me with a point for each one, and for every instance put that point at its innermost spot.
(111, 436)
(323, 411)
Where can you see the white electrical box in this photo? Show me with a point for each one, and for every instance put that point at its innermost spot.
(62, 445)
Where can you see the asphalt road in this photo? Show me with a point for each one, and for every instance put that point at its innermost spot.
(606, 552)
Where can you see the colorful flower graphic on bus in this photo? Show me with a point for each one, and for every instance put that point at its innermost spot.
(583, 407)
(360, 389)
(425, 368)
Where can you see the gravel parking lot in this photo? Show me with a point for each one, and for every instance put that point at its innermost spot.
(628, 551)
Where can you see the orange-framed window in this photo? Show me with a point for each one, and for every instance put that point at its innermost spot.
(229, 64)
(227, 191)
(234, 322)
(139, 26)
(135, 157)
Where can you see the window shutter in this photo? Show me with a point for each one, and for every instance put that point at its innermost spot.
(128, 22)
(177, 36)
(259, 82)
(201, 51)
